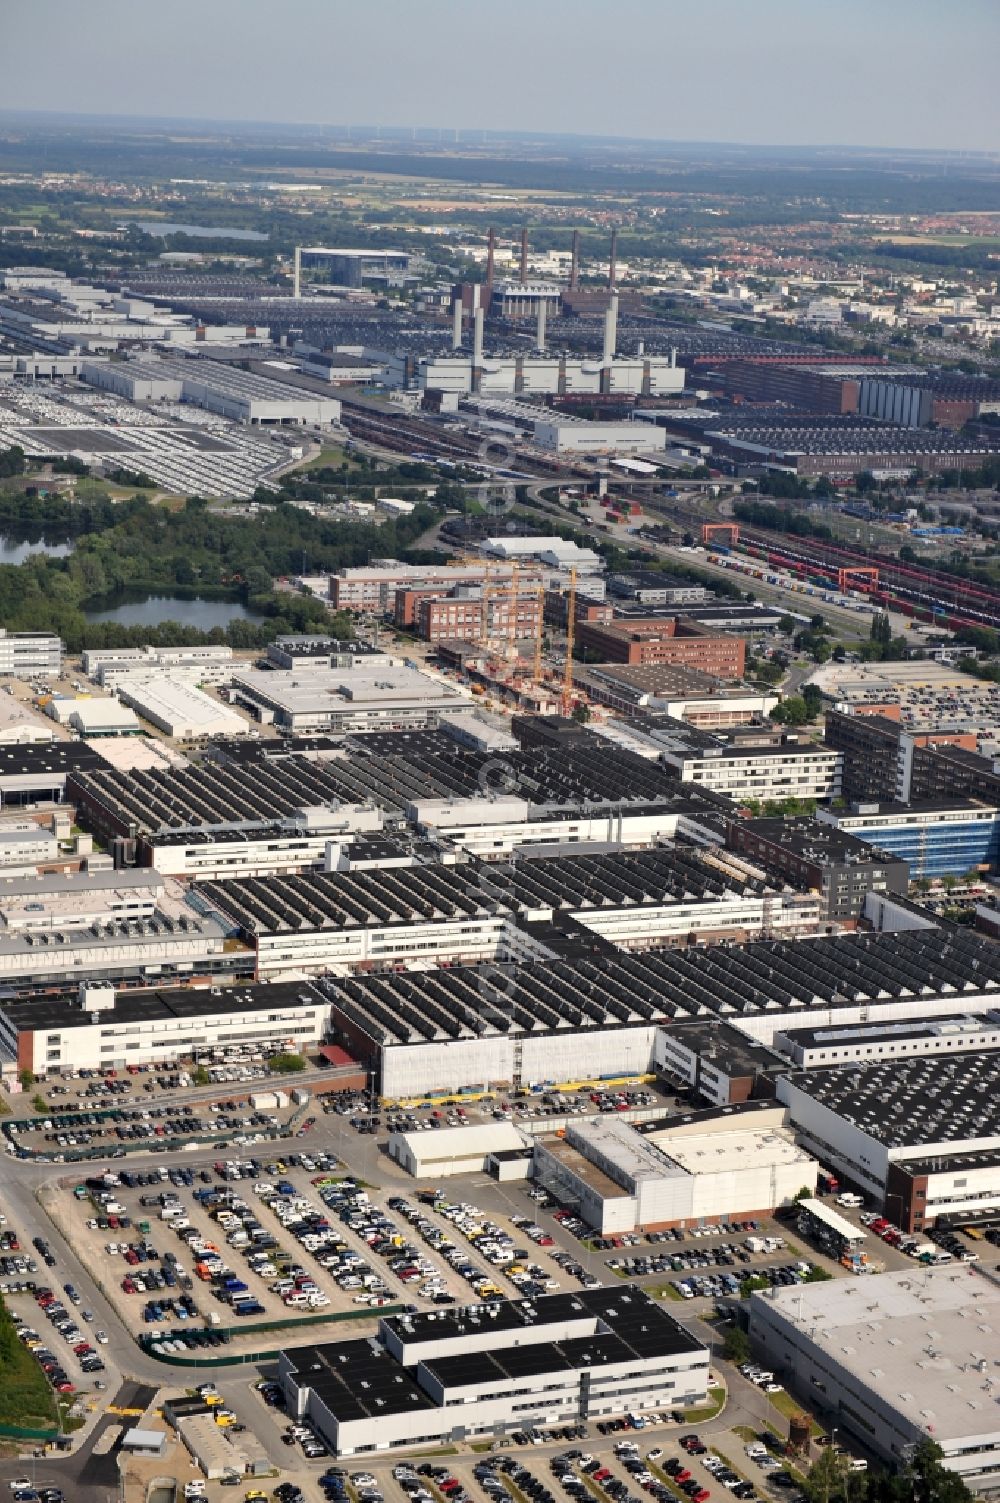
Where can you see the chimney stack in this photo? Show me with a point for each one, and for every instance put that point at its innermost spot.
(574, 265)
(611, 330)
(613, 263)
(540, 339)
(297, 273)
(524, 255)
(490, 247)
(456, 327)
(477, 349)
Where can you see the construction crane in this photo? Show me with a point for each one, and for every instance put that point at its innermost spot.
(536, 673)
(567, 693)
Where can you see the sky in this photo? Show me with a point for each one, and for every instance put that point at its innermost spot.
(900, 73)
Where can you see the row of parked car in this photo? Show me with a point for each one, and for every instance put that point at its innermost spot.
(387, 1241)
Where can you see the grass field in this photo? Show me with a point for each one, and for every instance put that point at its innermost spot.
(25, 1396)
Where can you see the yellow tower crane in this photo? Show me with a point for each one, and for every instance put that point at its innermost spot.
(567, 693)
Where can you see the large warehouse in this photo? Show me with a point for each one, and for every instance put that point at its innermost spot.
(453, 1374)
(920, 1134)
(179, 709)
(894, 1360)
(213, 385)
(620, 1179)
(345, 699)
(577, 1015)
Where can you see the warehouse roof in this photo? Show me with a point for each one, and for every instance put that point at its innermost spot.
(718, 981)
(902, 1031)
(919, 1343)
(904, 1103)
(357, 1381)
(814, 841)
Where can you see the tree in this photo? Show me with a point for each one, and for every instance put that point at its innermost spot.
(786, 625)
(26, 1079)
(581, 714)
(804, 1194)
(791, 711)
(736, 1347)
(828, 1479)
(286, 1064)
(812, 698)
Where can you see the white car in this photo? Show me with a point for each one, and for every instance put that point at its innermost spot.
(101, 1337)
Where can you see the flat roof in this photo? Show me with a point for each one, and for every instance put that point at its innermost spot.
(37, 1014)
(728, 1152)
(815, 841)
(917, 1341)
(915, 1101)
(954, 1026)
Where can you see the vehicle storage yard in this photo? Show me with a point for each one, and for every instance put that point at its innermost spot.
(181, 450)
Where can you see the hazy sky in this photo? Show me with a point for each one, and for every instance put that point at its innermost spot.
(919, 73)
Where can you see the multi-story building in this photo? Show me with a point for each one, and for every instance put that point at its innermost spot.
(26, 653)
(750, 762)
(460, 616)
(663, 640)
(934, 838)
(839, 866)
(450, 1375)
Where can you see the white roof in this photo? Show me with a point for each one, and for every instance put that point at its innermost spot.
(462, 1142)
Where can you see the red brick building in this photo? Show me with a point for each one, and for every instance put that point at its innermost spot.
(663, 639)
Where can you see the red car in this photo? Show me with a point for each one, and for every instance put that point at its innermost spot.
(602, 1474)
(701, 1496)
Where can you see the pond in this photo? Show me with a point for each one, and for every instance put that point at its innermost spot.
(15, 546)
(164, 227)
(131, 609)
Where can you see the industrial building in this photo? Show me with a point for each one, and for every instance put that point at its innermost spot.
(934, 839)
(106, 925)
(437, 911)
(658, 639)
(37, 773)
(916, 399)
(91, 715)
(567, 435)
(355, 699)
(26, 654)
(352, 267)
(813, 855)
(326, 652)
(676, 691)
(180, 710)
(845, 449)
(239, 395)
(460, 1150)
(101, 1030)
(748, 763)
(620, 1180)
(372, 589)
(892, 1361)
(903, 1128)
(554, 1014)
(453, 1374)
(865, 1043)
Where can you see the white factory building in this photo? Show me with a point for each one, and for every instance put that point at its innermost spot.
(180, 710)
(620, 1179)
(458, 1150)
(99, 1030)
(894, 1360)
(492, 828)
(344, 699)
(307, 839)
(94, 715)
(100, 662)
(453, 1374)
(567, 435)
(803, 770)
(217, 387)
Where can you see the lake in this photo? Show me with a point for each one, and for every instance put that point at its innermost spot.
(15, 547)
(129, 609)
(197, 231)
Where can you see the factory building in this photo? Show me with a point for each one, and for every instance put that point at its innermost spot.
(25, 654)
(454, 1374)
(839, 866)
(37, 773)
(903, 1129)
(100, 663)
(658, 639)
(917, 399)
(675, 691)
(893, 1362)
(351, 267)
(866, 1043)
(354, 699)
(307, 652)
(104, 925)
(934, 839)
(566, 435)
(217, 387)
(101, 1030)
(620, 1179)
(179, 709)
(465, 615)
(90, 715)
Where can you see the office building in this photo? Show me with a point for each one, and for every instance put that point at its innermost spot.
(841, 867)
(452, 1375)
(748, 763)
(935, 839)
(662, 640)
(101, 1030)
(25, 654)
(893, 1361)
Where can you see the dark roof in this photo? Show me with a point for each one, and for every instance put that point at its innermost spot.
(147, 1006)
(815, 841)
(727, 1049)
(53, 756)
(355, 1380)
